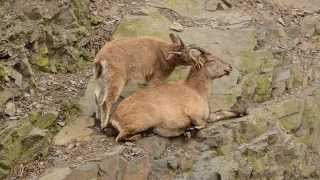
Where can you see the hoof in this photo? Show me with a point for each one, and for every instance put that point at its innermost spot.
(200, 127)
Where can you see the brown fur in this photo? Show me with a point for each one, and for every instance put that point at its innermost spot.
(134, 59)
(170, 108)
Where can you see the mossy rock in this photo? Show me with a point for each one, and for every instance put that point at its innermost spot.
(249, 62)
(286, 108)
(11, 145)
(257, 69)
(95, 20)
(25, 140)
(296, 77)
(291, 123)
(81, 11)
(3, 72)
(42, 120)
(254, 126)
(263, 88)
(186, 7)
(42, 59)
(5, 167)
(70, 110)
(152, 25)
(311, 121)
(34, 144)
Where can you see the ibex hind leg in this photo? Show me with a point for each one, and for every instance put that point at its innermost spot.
(122, 136)
(114, 89)
(168, 132)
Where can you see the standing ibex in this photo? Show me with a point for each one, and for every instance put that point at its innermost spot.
(142, 58)
(171, 108)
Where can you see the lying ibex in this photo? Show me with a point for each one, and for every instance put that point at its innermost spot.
(169, 109)
(135, 59)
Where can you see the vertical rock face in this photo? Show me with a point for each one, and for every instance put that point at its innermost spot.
(46, 33)
(262, 69)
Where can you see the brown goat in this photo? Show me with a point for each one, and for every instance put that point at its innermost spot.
(134, 59)
(171, 108)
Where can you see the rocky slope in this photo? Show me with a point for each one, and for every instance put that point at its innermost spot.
(272, 45)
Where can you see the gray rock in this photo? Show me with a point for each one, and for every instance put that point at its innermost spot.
(308, 5)
(35, 143)
(114, 166)
(214, 168)
(308, 25)
(10, 109)
(177, 27)
(317, 30)
(173, 163)
(6, 94)
(212, 5)
(87, 171)
(154, 145)
(58, 173)
(16, 76)
(160, 170)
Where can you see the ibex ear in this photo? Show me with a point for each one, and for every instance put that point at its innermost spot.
(177, 40)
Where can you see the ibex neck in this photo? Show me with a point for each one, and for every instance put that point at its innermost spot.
(199, 81)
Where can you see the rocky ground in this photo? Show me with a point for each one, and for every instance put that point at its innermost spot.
(272, 45)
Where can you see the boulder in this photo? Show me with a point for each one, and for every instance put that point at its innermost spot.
(59, 173)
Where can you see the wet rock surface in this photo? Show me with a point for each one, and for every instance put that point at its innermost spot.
(46, 97)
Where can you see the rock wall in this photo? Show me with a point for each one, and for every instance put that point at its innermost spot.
(49, 35)
(36, 36)
(271, 55)
(277, 140)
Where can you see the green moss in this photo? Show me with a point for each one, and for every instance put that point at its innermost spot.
(254, 126)
(3, 72)
(43, 63)
(230, 99)
(11, 145)
(249, 62)
(291, 123)
(24, 128)
(286, 108)
(95, 20)
(41, 120)
(296, 77)
(263, 88)
(248, 86)
(20, 143)
(4, 168)
(81, 11)
(191, 7)
(257, 68)
(37, 146)
(152, 25)
(70, 110)
(42, 59)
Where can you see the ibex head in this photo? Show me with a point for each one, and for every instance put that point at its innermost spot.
(179, 53)
(215, 67)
